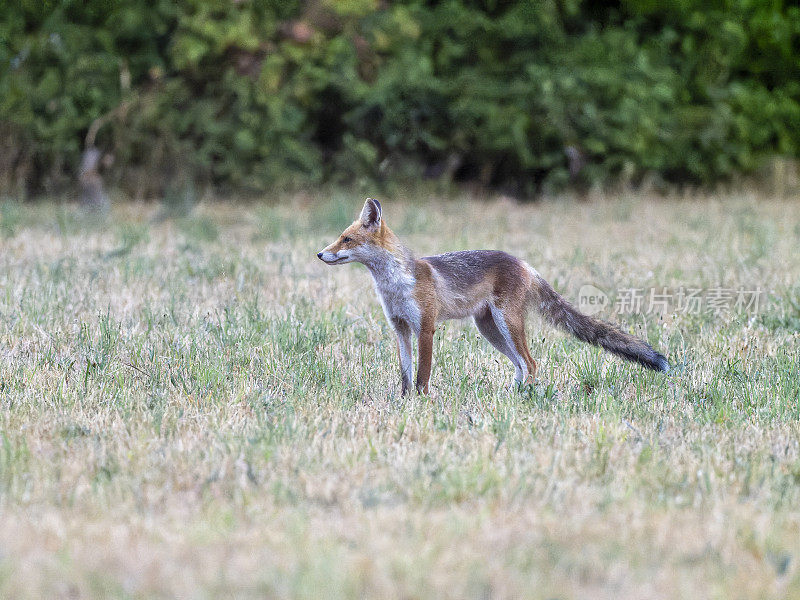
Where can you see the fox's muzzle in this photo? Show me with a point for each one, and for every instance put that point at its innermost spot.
(332, 258)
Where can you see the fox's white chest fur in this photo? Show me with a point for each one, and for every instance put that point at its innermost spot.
(395, 287)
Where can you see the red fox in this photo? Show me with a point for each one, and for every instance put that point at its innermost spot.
(492, 287)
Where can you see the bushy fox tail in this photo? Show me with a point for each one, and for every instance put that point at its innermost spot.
(556, 309)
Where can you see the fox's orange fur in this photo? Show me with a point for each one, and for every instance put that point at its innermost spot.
(492, 287)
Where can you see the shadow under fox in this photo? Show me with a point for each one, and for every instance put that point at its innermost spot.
(493, 287)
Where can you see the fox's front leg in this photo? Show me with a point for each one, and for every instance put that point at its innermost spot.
(425, 357)
(403, 332)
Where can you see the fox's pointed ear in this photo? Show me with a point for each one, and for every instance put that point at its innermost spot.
(371, 213)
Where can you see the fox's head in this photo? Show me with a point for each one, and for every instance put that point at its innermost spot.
(361, 241)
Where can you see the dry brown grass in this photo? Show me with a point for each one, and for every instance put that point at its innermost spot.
(199, 408)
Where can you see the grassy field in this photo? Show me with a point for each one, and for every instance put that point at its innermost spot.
(197, 407)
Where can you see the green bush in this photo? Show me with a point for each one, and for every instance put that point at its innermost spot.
(255, 94)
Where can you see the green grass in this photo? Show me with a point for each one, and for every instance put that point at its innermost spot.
(194, 406)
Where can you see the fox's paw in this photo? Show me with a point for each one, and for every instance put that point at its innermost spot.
(521, 387)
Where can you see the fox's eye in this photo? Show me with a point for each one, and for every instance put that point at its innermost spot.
(347, 239)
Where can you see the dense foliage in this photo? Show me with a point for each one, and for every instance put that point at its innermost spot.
(251, 94)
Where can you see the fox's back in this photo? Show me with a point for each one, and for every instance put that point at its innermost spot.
(468, 279)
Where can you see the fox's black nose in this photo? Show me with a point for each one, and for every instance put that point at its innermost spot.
(319, 254)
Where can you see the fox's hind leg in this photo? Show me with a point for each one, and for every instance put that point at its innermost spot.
(510, 322)
(516, 327)
(490, 330)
